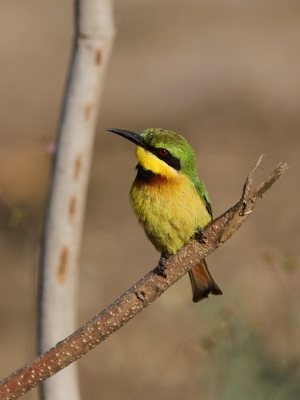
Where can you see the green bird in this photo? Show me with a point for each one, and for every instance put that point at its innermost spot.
(170, 201)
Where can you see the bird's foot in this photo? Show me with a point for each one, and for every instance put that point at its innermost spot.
(200, 236)
(160, 269)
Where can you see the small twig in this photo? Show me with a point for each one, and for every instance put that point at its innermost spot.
(249, 180)
(258, 162)
(138, 297)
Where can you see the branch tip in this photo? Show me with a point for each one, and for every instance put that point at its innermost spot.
(258, 162)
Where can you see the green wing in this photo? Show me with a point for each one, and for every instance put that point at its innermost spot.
(201, 189)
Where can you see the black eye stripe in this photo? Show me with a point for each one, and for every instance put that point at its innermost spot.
(167, 158)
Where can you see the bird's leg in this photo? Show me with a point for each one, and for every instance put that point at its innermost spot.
(160, 269)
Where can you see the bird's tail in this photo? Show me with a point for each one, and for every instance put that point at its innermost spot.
(202, 282)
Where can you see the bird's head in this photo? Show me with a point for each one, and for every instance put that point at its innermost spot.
(163, 152)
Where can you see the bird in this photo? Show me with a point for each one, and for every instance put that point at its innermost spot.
(169, 200)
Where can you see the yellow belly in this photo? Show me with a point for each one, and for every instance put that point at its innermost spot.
(170, 211)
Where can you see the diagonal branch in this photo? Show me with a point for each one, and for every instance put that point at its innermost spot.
(142, 294)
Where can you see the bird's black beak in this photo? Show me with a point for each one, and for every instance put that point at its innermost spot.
(133, 137)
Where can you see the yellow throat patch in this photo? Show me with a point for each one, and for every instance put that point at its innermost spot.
(152, 163)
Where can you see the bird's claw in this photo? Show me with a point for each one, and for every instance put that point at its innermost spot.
(160, 269)
(200, 236)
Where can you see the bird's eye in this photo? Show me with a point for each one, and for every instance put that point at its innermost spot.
(163, 152)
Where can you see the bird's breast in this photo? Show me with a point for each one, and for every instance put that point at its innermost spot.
(170, 210)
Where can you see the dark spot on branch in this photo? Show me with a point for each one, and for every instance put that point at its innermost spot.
(72, 208)
(77, 166)
(140, 295)
(87, 111)
(98, 56)
(63, 265)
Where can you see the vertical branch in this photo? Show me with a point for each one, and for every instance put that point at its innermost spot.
(94, 31)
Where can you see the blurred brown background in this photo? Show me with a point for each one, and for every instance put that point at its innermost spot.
(226, 76)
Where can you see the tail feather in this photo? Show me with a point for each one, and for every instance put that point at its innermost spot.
(202, 282)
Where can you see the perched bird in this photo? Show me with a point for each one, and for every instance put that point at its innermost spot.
(170, 201)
